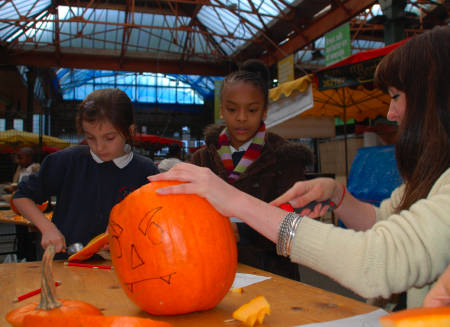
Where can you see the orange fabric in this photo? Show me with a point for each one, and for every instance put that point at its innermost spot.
(358, 103)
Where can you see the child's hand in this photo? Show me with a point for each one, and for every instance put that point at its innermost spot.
(53, 236)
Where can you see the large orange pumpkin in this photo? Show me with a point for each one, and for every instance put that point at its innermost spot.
(173, 254)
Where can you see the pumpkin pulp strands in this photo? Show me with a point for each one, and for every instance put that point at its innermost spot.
(48, 289)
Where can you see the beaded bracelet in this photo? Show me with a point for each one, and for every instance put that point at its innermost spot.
(286, 233)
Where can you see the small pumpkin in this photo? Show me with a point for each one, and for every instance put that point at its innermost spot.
(89, 321)
(173, 254)
(253, 311)
(91, 248)
(49, 305)
(418, 317)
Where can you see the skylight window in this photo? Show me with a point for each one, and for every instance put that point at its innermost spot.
(140, 87)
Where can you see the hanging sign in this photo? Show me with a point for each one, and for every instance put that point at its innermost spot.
(286, 69)
(337, 44)
(348, 75)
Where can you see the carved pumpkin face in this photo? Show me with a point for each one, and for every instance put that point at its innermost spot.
(173, 254)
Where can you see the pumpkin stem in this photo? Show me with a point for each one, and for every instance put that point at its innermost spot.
(48, 289)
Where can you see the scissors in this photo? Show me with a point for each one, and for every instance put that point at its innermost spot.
(311, 206)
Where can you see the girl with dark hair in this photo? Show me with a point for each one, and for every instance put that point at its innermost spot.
(255, 161)
(404, 244)
(87, 180)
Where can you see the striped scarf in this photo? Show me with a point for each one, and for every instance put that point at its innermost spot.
(252, 153)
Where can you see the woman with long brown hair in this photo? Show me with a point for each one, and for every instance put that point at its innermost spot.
(404, 244)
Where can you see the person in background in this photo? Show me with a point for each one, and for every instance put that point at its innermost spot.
(173, 157)
(26, 166)
(87, 180)
(404, 244)
(25, 238)
(252, 159)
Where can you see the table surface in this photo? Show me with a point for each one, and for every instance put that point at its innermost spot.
(292, 303)
(9, 217)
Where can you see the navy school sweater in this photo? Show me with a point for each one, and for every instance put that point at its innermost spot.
(85, 190)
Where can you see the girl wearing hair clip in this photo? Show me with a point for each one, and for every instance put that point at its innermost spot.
(87, 180)
(255, 161)
(404, 244)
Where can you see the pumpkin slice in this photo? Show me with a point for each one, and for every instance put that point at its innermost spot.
(418, 317)
(88, 321)
(49, 305)
(91, 248)
(253, 311)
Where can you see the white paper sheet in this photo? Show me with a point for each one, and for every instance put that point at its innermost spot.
(242, 280)
(365, 320)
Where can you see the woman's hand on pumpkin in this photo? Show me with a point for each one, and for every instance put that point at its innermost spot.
(318, 189)
(439, 295)
(201, 181)
(51, 235)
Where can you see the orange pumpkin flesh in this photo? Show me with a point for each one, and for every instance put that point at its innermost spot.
(89, 321)
(173, 254)
(253, 311)
(91, 248)
(418, 317)
(49, 305)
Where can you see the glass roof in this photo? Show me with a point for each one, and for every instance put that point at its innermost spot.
(219, 26)
(226, 22)
(99, 28)
(140, 87)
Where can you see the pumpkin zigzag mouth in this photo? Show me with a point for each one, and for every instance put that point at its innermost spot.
(165, 278)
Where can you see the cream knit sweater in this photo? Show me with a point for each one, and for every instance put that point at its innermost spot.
(405, 251)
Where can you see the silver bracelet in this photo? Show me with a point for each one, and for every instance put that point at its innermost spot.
(286, 233)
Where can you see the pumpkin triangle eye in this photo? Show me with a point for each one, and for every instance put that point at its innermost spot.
(136, 260)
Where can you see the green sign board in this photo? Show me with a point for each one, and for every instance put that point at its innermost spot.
(337, 44)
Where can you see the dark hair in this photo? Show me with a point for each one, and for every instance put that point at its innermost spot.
(111, 105)
(26, 151)
(251, 71)
(421, 69)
